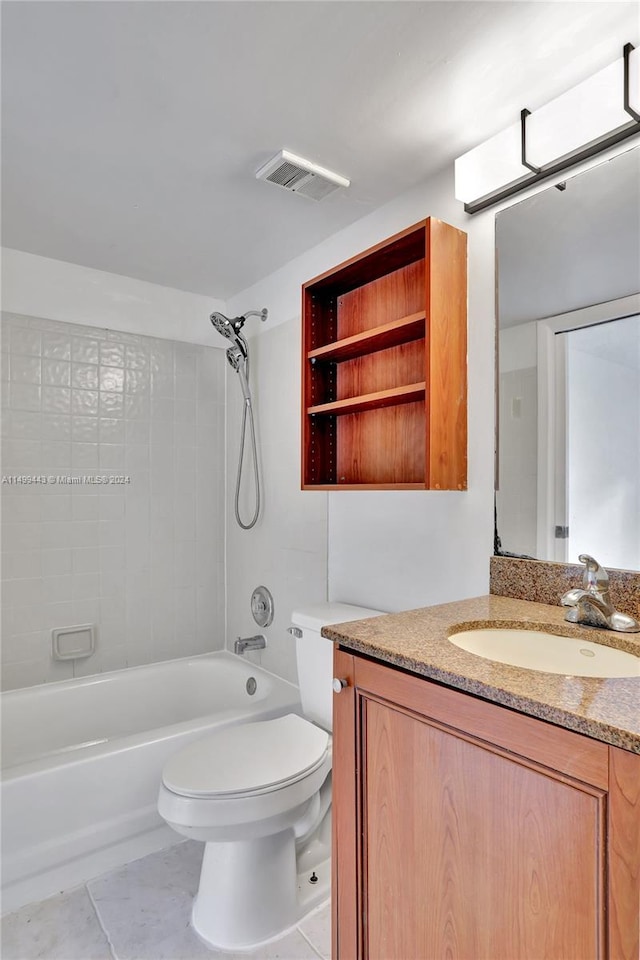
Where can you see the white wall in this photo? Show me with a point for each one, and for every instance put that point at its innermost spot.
(41, 287)
(388, 550)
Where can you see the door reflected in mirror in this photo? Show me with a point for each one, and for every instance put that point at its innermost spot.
(568, 266)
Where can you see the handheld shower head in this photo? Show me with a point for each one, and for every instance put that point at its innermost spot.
(238, 357)
(239, 362)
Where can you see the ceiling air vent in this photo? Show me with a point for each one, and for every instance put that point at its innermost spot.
(300, 176)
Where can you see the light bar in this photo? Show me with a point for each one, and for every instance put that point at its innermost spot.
(580, 123)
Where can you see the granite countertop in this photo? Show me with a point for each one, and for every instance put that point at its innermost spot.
(417, 640)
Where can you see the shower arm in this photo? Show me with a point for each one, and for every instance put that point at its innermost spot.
(256, 313)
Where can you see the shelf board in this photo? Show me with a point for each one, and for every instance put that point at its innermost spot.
(371, 401)
(363, 486)
(387, 335)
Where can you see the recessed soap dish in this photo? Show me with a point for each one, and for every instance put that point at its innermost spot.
(73, 643)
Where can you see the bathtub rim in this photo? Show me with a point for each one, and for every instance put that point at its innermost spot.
(121, 743)
(159, 664)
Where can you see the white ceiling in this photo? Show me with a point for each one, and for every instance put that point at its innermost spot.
(132, 130)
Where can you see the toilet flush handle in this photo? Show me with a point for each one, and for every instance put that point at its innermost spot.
(339, 684)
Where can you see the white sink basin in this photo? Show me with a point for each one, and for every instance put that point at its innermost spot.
(536, 650)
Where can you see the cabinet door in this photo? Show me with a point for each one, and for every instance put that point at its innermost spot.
(471, 853)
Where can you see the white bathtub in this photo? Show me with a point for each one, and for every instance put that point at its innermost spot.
(81, 762)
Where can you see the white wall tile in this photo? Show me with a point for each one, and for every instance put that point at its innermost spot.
(56, 400)
(25, 396)
(112, 431)
(85, 349)
(56, 562)
(111, 404)
(17, 675)
(56, 589)
(22, 619)
(84, 456)
(85, 508)
(26, 535)
(21, 647)
(19, 593)
(84, 429)
(112, 379)
(56, 508)
(21, 456)
(112, 354)
(84, 403)
(86, 586)
(112, 456)
(56, 426)
(22, 564)
(112, 557)
(137, 406)
(56, 455)
(112, 583)
(144, 561)
(19, 508)
(25, 341)
(85, 559)
(56, 535)
(137, 432)
(21, 425)
(56, 373)
(85, 376)
(25, 370)
(56, 345)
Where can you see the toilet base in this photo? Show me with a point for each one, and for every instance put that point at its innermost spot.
(252, 891)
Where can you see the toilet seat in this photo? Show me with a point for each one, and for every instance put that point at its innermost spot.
(248, 760)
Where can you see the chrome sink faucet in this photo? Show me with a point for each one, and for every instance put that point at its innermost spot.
(258, 642)
(592, 604)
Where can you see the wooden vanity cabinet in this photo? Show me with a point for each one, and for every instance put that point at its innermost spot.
(468, 831)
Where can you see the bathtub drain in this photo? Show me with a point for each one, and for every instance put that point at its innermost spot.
(252, 686)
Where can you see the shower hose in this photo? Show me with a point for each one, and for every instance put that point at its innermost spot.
(247, 414)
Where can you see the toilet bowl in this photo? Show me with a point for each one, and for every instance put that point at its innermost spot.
(259, 796)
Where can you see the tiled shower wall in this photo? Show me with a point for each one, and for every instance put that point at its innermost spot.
(143, 559)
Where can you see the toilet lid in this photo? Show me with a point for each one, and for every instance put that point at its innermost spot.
(249, 758)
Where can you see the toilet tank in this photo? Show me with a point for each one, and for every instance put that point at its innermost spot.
(314, 655)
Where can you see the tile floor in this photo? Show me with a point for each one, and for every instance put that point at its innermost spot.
(140, 912)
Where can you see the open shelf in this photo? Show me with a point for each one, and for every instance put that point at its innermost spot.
(384, 366)
(370, 341)
(372, 401)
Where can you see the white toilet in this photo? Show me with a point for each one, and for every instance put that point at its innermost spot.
(259, 795)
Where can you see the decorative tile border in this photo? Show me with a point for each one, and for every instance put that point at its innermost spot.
(546, 582)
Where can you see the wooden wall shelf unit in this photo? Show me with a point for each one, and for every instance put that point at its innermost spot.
(384, 354)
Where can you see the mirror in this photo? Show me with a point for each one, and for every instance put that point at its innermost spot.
(568, 291)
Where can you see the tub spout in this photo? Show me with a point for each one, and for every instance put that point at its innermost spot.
(258, 642)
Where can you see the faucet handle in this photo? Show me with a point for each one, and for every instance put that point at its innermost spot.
(595, 577)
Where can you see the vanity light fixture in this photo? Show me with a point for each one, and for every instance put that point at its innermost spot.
(580, 123)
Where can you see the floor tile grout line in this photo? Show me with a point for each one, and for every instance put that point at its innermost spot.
(311, 944)
(112, 950)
